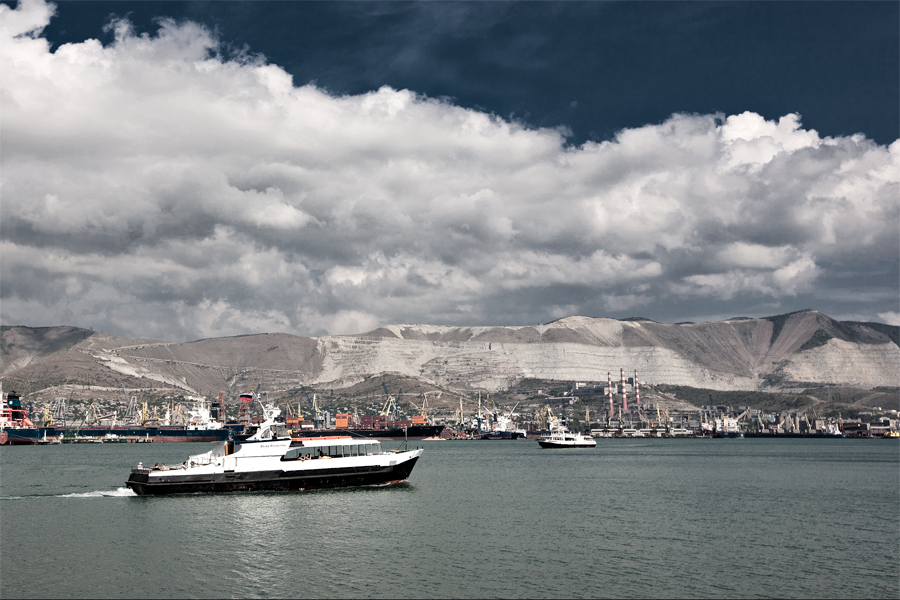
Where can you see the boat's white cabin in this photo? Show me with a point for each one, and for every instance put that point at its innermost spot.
(287, 448)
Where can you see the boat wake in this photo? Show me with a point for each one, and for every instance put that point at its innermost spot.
(117, 493)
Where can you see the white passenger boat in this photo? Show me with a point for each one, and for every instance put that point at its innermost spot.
(561, 437)
(272, 460)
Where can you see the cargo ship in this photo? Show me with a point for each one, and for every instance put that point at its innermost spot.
(17, 429)
(15, 426)
(124, 433)
(504, 435)
(502, 427)
(372, 427)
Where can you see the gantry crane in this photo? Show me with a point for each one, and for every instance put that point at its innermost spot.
(317, 416)
(390, 405)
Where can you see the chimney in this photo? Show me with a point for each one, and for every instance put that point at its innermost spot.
(637, 390)
(610, 392)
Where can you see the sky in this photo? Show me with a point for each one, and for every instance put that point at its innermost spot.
(184, 170)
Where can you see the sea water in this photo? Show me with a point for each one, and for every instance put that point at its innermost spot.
(504, 519)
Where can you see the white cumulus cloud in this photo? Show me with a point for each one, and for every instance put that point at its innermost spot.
(160, 186)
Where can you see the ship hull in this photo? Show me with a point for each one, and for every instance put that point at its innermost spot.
(548, 444)
(413, 432)
(153, 434)
(503, 435)
(16, 437)
(276, 480)
(795, 435)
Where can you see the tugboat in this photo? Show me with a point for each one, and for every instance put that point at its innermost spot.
(271, 459)
(561, 437)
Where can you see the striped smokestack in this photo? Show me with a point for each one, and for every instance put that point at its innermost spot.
(610, 392)
(624, 393)
(637, 390)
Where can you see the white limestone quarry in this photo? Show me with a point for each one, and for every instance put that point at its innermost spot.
(847, 363)
(494, 366)
(120, 365)
(732, 355)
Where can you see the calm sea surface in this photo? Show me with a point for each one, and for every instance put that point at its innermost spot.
(630, 518)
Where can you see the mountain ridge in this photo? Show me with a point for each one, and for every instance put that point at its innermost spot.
(781, 352)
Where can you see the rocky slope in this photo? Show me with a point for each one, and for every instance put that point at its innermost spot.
(782, 352)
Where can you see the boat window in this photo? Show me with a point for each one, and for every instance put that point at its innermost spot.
(335, 451)
(292, 454)
(354, 450)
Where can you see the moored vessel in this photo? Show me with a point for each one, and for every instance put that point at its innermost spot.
(15, 426)
(392, 433)
(201, 426)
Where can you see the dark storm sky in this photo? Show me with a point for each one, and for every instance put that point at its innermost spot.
(624, 64)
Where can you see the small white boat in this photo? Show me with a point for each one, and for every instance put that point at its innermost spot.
(561, 437)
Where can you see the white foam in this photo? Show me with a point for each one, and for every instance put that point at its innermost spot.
(117, 493)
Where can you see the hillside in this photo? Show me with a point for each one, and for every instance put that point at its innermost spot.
(785, 352)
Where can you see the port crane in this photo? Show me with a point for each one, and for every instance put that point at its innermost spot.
(60, 409)
(643, 418)
(317, 414)
(47, 416)
(424, 408)
(390, 405)
(83, 419)
(93, 414)
(134, 414)
(545, 416)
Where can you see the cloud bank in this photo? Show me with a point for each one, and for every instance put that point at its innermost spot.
(163, 186)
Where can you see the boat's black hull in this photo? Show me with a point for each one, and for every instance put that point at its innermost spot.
(555, 446)
(271, 480)
(794, 435)
(163, 433)
(503, 435)
(17, 437)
